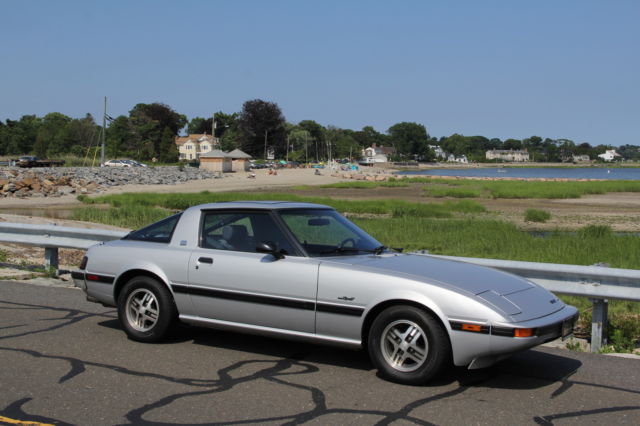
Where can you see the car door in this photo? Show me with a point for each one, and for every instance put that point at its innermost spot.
(230, 281)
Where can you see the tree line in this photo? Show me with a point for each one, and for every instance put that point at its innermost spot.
(149, 131)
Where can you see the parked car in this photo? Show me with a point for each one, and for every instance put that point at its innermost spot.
(123, 163)
(134, 163)
(28, 161)
(303, 271)
(253, 165)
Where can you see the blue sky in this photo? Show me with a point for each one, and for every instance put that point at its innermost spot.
(559, 69)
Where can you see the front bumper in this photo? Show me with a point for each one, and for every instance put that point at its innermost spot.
(496, 343)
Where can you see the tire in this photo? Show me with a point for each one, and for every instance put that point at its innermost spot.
(146, 310)
(408, 345)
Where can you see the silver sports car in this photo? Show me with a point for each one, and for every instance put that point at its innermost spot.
(303, 271)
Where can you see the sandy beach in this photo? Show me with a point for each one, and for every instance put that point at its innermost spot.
(239, 181)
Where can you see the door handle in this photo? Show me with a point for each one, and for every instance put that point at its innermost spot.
(208, 260)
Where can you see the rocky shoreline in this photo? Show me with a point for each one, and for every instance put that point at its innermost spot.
(59, 181)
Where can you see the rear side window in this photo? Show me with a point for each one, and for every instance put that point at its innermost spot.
(159, 232)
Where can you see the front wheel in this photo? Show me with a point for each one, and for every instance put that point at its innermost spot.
(146, 309)
(408, 345)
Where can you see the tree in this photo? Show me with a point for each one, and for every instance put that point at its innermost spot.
(20, 135)
(168, 152)
(317, 139)
(82, 134)
(120, 138)
(261, 124)
(368, 136)
(52, 135)
(149, 122)
(456, 144)
(199, 125)
(629, 152)
(409, 139)
(343, 145)
(514, 144)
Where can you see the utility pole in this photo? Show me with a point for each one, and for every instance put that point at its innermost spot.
(287, 156)
(104, 131)
(265, 145)
(213, 130)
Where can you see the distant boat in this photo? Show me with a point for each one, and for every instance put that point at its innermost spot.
(501, 171)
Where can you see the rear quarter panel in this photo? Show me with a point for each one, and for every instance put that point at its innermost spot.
(113, 259)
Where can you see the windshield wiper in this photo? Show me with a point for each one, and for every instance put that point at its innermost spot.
(378, 250)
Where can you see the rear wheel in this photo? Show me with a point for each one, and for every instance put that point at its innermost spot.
(146, 309)
(408, 345)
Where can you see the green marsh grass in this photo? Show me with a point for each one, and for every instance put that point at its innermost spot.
(535, 215)
(494, 239)
(133, 207)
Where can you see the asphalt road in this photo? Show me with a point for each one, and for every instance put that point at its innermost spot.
(65, 361)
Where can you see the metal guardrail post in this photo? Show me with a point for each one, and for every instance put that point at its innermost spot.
(599, 323)
(51, 258)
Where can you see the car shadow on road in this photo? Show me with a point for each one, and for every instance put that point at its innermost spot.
(526, 370)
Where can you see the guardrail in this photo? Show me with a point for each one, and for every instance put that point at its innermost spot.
(52, 237)
(598, 283)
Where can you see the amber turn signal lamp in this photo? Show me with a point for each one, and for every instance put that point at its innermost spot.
(471, 327)
(523, 332)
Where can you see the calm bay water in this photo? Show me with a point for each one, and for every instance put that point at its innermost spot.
(549, 173)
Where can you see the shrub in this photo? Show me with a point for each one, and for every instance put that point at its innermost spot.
(595, 231)
(535, 215)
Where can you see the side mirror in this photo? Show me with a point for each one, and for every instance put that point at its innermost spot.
(264, 247)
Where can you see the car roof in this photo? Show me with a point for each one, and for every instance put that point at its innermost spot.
(259, 205)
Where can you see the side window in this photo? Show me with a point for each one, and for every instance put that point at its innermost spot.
(159, 232)
(241, 231)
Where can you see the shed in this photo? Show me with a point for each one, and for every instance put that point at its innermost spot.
(240, 160)
(216, 161)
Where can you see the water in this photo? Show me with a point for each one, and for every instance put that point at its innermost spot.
(542, 172)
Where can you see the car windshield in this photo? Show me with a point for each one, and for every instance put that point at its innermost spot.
(324, 232)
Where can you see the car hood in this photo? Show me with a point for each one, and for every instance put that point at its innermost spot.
(464, 276)
(514, 296)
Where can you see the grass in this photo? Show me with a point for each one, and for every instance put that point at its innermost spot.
(136, 210)
(3, 256)
(443, 228)
(494, 239)
(364, 184)
(535, 215)
(478, 188)
(624, 322)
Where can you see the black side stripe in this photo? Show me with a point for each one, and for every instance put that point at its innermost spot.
(268, 300)
(77, 275)
(252, 298)
(342, 310)
(99, 278)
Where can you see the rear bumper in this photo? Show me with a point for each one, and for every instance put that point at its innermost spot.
(79, 280)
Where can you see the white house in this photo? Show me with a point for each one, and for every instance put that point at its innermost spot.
(438, 151)
(507, 155)
(192, 146)
(609, 155)
(453, 159)
(377, 154)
